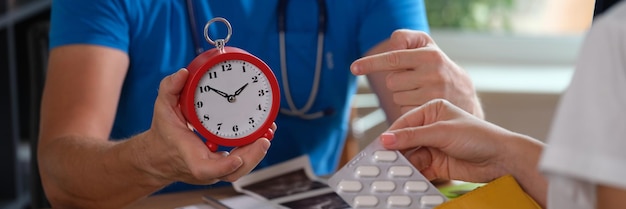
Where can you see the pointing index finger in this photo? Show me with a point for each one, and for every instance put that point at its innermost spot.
(403, 52)
(389, 61)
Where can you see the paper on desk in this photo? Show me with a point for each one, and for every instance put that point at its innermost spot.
(209, 203)
(248, 202)
(197, 206)
(291, 184)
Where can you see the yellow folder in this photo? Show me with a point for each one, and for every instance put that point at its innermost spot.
(502, 193)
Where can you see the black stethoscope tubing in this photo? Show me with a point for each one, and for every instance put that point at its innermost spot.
(282, 28)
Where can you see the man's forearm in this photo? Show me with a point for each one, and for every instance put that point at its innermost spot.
(94, 173)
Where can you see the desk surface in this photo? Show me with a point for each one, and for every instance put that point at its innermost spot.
(170, 201)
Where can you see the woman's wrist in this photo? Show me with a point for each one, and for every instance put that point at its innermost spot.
(524, 154)
(521, 154)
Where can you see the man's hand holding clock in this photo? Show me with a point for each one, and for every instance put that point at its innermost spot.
(186, 109)
(175, 153)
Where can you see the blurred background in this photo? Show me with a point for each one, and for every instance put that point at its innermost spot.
(519, 53)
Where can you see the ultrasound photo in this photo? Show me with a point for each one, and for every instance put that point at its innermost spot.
(324, 201)
(284, 185)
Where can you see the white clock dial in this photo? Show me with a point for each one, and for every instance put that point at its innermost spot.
(233, 99)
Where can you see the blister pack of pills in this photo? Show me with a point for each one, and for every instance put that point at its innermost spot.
(381, 178)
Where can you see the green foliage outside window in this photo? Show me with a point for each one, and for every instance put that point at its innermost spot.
(476, 15)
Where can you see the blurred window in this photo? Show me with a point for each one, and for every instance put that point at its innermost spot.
(527, 17)
(500, 41)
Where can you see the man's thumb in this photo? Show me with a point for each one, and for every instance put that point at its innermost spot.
(172, 85)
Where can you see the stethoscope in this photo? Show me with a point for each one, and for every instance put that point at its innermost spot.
(282, 22)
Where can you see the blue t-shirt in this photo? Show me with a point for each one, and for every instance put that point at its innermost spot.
(157, 36)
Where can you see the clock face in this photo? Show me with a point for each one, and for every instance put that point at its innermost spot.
(233, 99)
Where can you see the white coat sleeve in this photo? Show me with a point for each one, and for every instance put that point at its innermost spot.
(587, 142)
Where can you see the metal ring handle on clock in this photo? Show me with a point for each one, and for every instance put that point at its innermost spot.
(219, 43)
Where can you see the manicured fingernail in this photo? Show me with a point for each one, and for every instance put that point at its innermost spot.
(388, 138)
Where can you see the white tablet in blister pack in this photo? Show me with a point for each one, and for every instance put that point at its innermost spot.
(381, 178)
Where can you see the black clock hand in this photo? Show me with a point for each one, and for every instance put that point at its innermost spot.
(221, 93)
(240, 89)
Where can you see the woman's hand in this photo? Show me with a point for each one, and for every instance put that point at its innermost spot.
(443, 141)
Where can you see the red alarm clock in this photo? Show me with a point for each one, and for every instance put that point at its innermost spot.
(231, 97)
